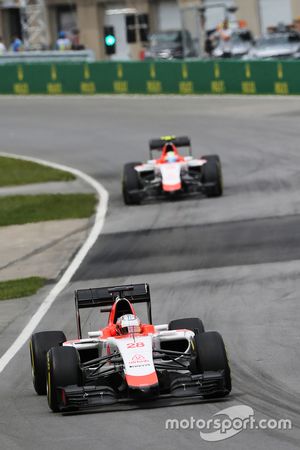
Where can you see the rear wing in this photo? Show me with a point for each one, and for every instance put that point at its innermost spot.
(105, 297)
(180, 141)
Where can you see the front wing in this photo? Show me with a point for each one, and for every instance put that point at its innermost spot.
(153, 188)
(195, 387)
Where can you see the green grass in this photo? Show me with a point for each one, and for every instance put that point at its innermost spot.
(20, 209)
(22, 287)
(15, 172)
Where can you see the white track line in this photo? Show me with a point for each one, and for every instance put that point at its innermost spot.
(74, 265)
(118, 97)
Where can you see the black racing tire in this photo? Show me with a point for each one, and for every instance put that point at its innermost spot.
(211, 355)
(39, 345)
(212, 158)
(131, 182)
(212, 173)
(192, 324)
(62, 370)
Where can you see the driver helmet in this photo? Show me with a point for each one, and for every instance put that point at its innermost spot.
(171, 157)
(128, 324)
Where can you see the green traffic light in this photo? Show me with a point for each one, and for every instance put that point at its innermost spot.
(110, 40)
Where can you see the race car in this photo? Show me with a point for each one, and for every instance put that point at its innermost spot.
(127, 361)
(171, 174)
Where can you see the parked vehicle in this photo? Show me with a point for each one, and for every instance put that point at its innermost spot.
(275, 45)
(170, 44)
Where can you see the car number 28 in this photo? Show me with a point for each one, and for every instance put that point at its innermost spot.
(135, 344)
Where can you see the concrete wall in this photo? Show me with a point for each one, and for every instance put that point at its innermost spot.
(1, 23)
(249, 11)
(295, 4)
(89, 25)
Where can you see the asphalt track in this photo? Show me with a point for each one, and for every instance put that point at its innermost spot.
(234, 261)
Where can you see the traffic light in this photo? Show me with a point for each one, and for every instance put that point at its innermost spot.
(110, 40)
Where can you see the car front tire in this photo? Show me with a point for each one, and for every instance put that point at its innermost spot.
(131, 182)
(39, 345)
(212, 173)
(212, 356)
(62, 370)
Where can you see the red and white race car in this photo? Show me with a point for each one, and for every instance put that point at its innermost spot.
(171, 173)
(128, 361)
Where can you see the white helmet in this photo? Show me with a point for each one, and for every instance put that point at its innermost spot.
(128, 324)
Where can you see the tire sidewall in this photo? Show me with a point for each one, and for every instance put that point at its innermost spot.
(212, 173)
(130, 182)
(211, 355)
(190, 323)
(39, 345)
(62, 370)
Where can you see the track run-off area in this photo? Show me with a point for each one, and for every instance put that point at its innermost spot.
(234, 261)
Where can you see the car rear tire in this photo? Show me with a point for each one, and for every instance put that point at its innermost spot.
(39, 345)
(131, 182)
(212, 158)
(212, 173)
(211, 356)
(192, 324)
(63, 370)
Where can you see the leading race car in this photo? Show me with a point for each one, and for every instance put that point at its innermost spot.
(128, 361)
(171, 173)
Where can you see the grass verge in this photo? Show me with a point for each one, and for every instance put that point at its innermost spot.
(20, 209)
(15, 172)
(22, 287)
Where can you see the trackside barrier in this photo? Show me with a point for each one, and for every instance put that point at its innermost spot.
(48, 56)
(170, 77)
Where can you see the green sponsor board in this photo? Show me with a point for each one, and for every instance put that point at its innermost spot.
(152, 77)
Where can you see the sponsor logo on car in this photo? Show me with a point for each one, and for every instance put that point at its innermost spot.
(139, 360)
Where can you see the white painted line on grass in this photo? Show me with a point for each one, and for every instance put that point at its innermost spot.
(75, 263)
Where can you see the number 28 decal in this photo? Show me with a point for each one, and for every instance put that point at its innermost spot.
(135, 344)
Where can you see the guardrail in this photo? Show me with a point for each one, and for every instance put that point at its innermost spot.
(172, 77)
(48, 56)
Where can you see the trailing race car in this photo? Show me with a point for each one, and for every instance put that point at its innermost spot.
(172, 173)
(128, 361)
